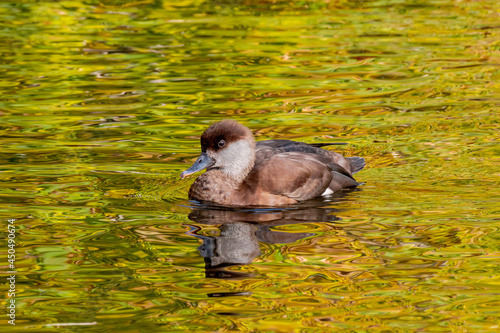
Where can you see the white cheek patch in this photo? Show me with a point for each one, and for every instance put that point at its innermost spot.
(236, 159)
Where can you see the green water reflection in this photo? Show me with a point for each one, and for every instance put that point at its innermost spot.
(102, 104)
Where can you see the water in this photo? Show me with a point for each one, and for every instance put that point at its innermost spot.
(102, 104)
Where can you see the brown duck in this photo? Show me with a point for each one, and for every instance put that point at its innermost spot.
(242, 172)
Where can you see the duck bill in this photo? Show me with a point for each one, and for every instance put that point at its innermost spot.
(204, 161)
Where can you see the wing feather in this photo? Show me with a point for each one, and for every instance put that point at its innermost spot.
(299, 176)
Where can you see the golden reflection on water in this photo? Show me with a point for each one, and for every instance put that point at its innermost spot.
(102, 104)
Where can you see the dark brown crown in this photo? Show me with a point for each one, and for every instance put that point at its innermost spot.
(227, 130)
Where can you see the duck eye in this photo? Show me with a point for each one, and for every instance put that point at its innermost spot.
(221, 143)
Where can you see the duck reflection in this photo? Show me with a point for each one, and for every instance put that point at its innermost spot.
(241, 230)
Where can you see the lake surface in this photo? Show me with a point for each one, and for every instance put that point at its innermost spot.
(102, 104)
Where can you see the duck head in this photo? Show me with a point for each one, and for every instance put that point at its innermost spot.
(227, 146)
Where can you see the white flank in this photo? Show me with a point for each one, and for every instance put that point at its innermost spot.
(327, 192)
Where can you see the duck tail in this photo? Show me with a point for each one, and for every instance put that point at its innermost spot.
(356, 163)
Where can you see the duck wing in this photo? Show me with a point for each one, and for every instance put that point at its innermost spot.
(268, 148)
(300, 176)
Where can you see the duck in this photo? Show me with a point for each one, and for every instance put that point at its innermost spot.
(243, 172)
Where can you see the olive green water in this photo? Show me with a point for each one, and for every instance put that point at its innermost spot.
(101, 107)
